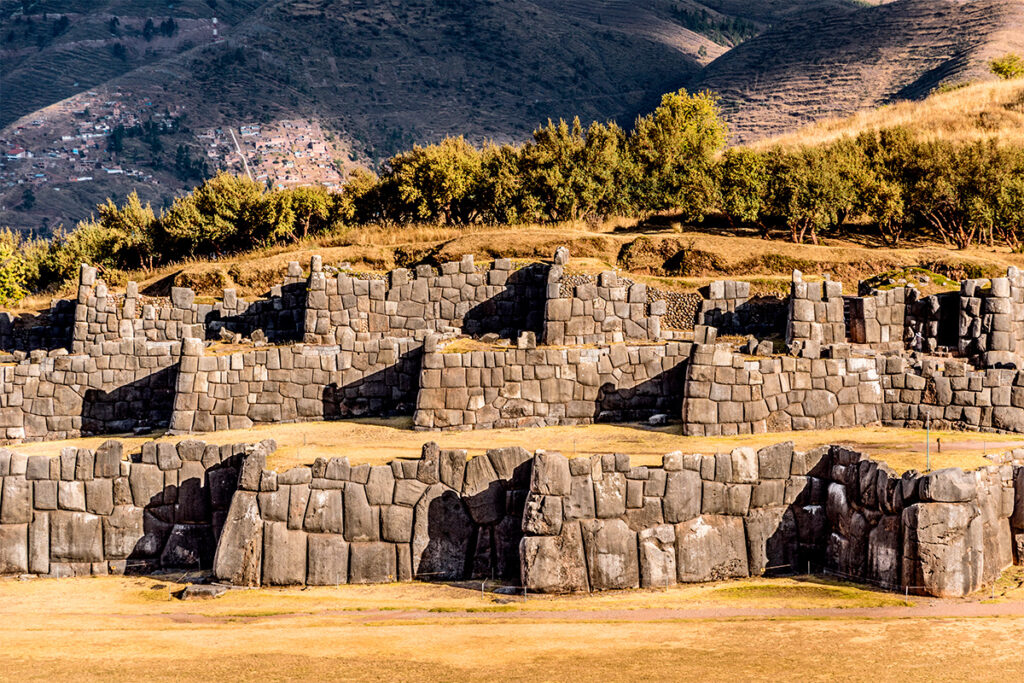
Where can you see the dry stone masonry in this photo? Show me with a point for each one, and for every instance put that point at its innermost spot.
(95, 512)
(538, 520)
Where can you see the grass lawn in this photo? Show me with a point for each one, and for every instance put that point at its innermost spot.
(378, 441)
(131, 628)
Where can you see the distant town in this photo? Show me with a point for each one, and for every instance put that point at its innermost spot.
(81, 139)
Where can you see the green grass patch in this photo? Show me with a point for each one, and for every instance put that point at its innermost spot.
(817, 594)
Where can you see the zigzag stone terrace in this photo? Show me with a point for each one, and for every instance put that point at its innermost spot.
(474, 348)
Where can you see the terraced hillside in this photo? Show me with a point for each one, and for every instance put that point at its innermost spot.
(59, 48)
(842, 63)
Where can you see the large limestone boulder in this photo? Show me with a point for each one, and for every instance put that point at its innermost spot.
(682, 496)
(611, 551)
(951, 485)
(441, 537)
(284, 555)
(240, 548)
(76, 537)
(942, 549)
(885, 552)
(554, 564)
(771, 540)
(327, 559)
(658, 556)
(711, 547)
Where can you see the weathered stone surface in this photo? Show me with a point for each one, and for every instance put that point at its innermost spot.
(122, 531)
(483, 493)
(362, 522)
(508, 462)
(682, 496)
(775, 461)
(453, 468)
(771, 540)
(16, 501)
(543, 515)
(240, 549)
(326, 559)
(710, 548)
(147, 484)
(942, 549)
(442, 533)
(372, 562)
(610, 495)
(554, 564)
(744, 465)
(324, 512)
(284, 555)
(551, 474)
(884, 552)
(658, 556)
(610, 547)
(380, 486)
(75, 537)
(951, 485)
(397, 524)
(14, 549)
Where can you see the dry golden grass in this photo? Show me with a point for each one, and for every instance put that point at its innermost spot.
(131, 629)
(378, 441)
(767, 264)
(985, 111)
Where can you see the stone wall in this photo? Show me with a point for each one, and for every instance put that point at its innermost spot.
(879, 319)
(50, 329)
(727, 306)
(992, 320)
(359, 377)
(728, 393)
(102, 317)
(501, 300)
(512, 387)
(601, 524)
(115, 386)
(608, 311)
(438, 518)
(93, 512)
(816, 312)
(932, 321)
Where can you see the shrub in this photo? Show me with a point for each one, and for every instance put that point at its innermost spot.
(1009, 66)
(12, 270)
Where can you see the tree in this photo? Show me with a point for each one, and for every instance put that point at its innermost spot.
(812, 189)
(312, 208)
(671, 154)
(1007, 67)
(743, 185)
(28, 200)
(213, 218)
(570, 173)
(503, 195)
(133, 227)
(437, 182)
(12, 270)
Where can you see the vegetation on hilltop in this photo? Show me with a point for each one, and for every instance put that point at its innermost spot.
(886, 182)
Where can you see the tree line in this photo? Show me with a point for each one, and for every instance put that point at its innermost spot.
(672, 160)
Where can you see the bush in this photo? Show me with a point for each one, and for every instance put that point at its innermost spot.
(1008, 66)
(12, 270)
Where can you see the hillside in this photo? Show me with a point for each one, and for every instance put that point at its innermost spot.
(802, 71)
(301, 91)
(376, 77)
(983, 111)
